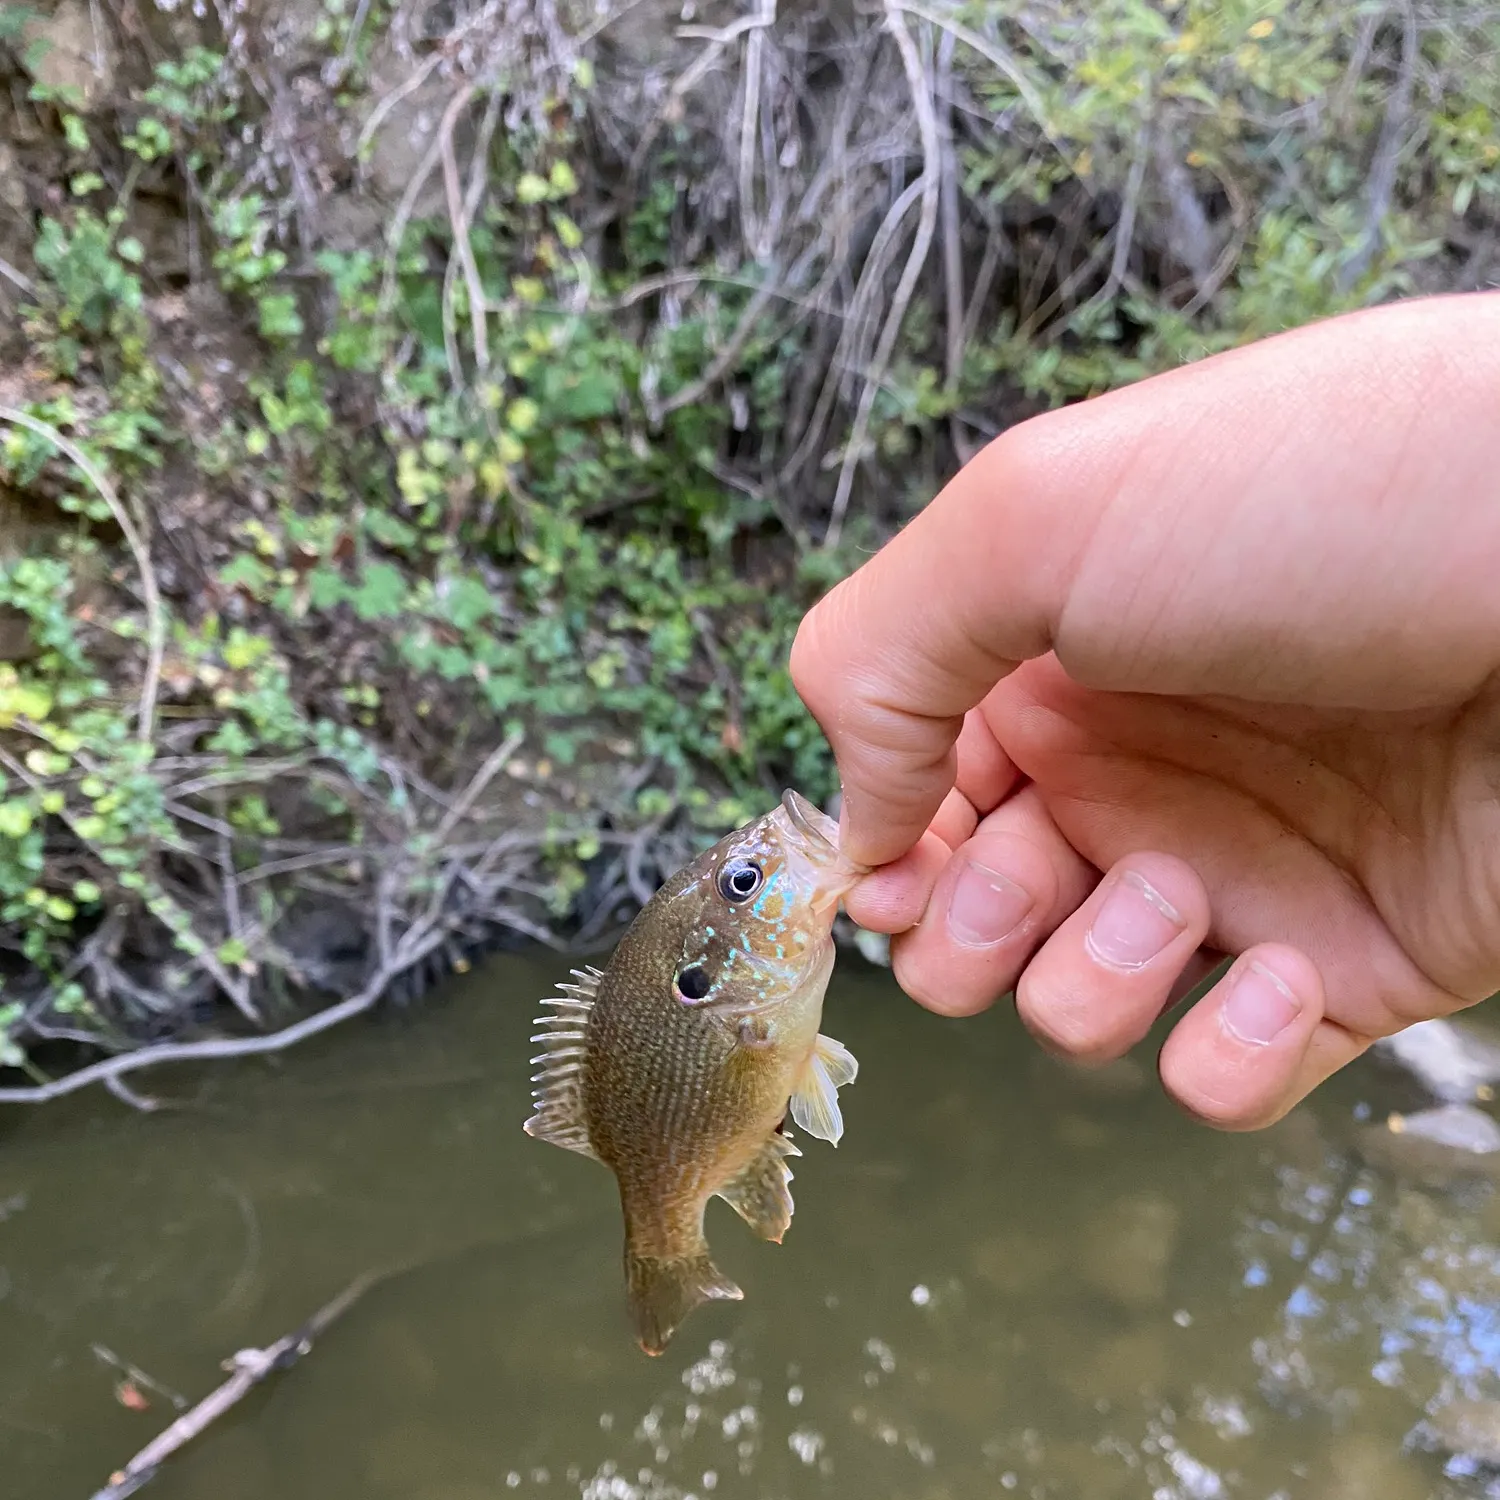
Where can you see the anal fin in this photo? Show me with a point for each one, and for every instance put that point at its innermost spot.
(557, 1094)
(815, 1102)
(761, 1194)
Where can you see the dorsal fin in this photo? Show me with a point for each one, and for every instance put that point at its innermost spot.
(761, 1194)
(558, 1091)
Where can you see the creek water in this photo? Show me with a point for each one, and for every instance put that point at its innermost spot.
(1010, 1278)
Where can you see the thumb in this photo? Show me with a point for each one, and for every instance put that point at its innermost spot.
(893, 657)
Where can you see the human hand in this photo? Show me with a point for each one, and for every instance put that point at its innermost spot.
(1205, 666)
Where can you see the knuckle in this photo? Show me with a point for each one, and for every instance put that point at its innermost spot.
(1069, 1024)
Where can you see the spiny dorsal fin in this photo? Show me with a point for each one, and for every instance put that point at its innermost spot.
(558, 1091)
(815, 1104)
(760, 1194)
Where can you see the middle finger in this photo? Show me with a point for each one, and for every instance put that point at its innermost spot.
(998, 897)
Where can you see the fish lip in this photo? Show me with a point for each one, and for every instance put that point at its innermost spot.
(813, 824)
(837, 873)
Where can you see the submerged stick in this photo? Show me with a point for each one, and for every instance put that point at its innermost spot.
(250, 1367)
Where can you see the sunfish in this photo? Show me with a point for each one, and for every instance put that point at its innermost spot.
(677, 1064)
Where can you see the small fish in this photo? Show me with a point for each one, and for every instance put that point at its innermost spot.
(676, 1065)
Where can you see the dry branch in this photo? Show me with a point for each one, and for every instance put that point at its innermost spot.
(249, 1368)
(930, 184)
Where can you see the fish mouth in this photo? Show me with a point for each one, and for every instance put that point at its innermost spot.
(814, 825)
(819, 835)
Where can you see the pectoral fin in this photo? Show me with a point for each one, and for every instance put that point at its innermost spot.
(760, 1194)
(815, 1103)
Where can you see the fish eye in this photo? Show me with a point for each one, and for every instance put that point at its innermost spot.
(693, 983)
(740, 879)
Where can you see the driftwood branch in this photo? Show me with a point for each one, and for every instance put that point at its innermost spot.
(248, 1367)
(417, 943)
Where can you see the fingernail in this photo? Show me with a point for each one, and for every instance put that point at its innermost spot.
(986, 906)
(1259, 1007)
(1135, 923)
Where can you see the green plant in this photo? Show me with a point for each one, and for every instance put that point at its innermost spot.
(473, 531)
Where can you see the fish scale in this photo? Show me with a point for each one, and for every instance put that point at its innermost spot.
(682, 1087)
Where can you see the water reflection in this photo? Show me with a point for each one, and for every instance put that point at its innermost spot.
(1009, 1279)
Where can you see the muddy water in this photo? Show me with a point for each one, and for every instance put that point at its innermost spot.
(1009, 1279)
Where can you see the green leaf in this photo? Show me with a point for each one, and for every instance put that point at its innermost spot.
(243, 650)
(279, 318)
(522, 415)
(466, 601)
(531, 188)
(245, 571)
(15, 819)
(326, 588)
(585, 397)
(381, 592)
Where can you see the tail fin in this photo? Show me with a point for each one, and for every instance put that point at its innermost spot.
(663, 1292)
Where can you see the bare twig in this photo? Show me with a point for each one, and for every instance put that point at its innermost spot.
(718, 40)
(136, 1375)
(127, 1095)
(459, 220)
(477, 783)
(399, 220)
(1382, 179)
(984, 279)
(1124, 233)
(993, 52)
(17, 278)
(871, 275)
(691, 394)
(953, 250)
(249, 1367)
(931, 183)
(756, 238)
(233, 921)
(155, 621)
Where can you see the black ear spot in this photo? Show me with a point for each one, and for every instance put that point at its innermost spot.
(693, 983)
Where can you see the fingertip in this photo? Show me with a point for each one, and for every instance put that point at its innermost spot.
(896, 762)
(1238, 1059)
(886, 807)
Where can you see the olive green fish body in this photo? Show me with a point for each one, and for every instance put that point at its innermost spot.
(676, 1065)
